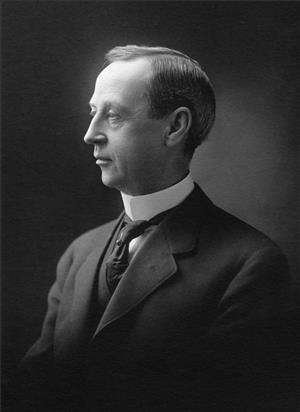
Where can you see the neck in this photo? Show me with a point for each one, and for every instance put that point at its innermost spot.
(152, 186)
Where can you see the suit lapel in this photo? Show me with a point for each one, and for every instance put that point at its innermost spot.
(154, 263)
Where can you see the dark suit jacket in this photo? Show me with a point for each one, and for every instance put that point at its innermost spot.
(199, 322)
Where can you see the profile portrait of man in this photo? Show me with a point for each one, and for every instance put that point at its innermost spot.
(176, 305)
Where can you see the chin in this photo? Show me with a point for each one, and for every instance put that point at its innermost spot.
(109, 181)
(117, 182)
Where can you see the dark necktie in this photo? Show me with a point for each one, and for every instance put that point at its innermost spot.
(118, 261)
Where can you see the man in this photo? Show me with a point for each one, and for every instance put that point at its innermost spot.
(197, 318)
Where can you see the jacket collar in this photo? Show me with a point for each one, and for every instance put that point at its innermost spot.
(182, 225)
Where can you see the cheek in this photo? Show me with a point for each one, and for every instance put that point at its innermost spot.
(138, 144)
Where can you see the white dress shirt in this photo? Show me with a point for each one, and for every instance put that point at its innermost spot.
(147, 206)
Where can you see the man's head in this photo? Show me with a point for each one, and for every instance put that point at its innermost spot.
(151, 108)
(177, 80)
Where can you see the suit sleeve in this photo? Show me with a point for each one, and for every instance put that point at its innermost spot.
(36, 371)
(251, 347)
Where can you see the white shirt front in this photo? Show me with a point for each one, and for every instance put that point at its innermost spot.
(147, 206)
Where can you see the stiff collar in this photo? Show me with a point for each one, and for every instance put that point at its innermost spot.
(146, 206)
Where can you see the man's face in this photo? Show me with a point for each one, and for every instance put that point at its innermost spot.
(128, 144)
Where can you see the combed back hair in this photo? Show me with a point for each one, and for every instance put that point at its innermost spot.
(177, 81)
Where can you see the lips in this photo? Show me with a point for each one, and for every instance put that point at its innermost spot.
(102, 161)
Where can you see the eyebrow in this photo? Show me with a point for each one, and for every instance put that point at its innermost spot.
(110, 104)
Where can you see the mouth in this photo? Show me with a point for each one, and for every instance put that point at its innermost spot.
(102, 161)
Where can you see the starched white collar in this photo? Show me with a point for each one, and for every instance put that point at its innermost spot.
(147, 206)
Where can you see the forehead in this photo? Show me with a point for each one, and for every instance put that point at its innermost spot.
(124, 80)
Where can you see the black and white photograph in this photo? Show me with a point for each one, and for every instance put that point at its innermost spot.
(150, 206)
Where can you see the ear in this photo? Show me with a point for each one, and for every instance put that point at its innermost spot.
(179, 123)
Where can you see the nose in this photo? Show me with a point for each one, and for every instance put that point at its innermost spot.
(94, 135)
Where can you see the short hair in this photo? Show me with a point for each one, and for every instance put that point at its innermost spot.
(177, 80)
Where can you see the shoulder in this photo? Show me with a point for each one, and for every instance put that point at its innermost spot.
(77, 252)
(222, 230)
(237, 232)
(91, 238)
(227, 243)
(246, 257)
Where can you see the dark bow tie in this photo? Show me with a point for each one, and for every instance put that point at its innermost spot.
(117, 263)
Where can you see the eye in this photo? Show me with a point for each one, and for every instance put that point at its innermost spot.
(112, 115)
(92, 113)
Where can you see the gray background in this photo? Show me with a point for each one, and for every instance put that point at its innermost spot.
(52, 190)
